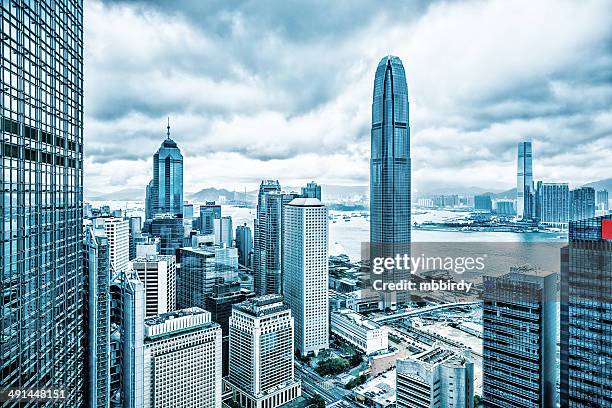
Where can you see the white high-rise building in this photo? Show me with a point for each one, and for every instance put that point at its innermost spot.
(224, 234)
(158, 274)
(118, 233)
(261, 373)
(435, 378)
(182, 360)
(305, 272)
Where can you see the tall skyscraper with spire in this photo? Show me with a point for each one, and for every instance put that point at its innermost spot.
(167, 188)
(42, 328)
(390, 164)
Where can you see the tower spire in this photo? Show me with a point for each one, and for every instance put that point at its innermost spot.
(168, 127)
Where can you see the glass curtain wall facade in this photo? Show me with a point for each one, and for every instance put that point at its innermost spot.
(97, 268)
(208, 214)
(586, 316)
(267, 242)
(42, 283)
(524, 182)
(390, 164)
(167, 188)
(520, 340)
(582, 203)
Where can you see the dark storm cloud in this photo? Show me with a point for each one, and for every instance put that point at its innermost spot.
(273, 81)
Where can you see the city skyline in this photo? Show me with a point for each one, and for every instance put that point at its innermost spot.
(120, 307)
(543, 93)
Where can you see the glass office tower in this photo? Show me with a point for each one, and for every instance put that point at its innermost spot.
(167, 189)
(520, 340)
(524, 182)
(586, 315)
(41, 320)
(582, 203)
(267, 238)
(390, 164)
(97, 268)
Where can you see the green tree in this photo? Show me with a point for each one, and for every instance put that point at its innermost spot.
(332, 366)
(356, 359)
(318, 401)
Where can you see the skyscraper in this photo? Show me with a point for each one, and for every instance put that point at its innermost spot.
(182, 360)
(42, 316)
(553, 204)
(520, 340)
(149, 201)
(305, 272)
(201, 269)
(582, 203)
(586, 315)
(167, 188)
(170, 230)
(390, 219)
(219, 304)
(435, 378)
(188, 220)
(208, 213)
(158, 275)
(524, 182)
(135, 232)
(267, 238)
(244, 243)
(98, 271)
(261, 372)
(224, 231)
(312, 190)
(602, 200)
(127, 340)
(118, 233)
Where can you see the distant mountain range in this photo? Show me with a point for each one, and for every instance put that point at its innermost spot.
(212, 194)
(126, 194)
(601, 185)
(330, 193)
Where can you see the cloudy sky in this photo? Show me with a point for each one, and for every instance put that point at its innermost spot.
(283, 89)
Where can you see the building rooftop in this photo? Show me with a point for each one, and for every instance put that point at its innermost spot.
(171, 323)
(169, 143)
(262, 305)
(164, 317)
(207, 251)
(380, 389)
(306, 202)
(154, 258)
(358, 319)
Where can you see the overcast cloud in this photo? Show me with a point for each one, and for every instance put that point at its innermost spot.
(283, 90)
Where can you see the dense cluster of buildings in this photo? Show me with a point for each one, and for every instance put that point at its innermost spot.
(175, 311)
(553, 204)
(153, 312)
(550, 205)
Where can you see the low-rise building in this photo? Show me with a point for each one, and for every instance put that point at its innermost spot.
(435, 378)
(366, 335)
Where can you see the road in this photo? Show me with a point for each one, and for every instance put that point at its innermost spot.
(422, 310)
(311, 385)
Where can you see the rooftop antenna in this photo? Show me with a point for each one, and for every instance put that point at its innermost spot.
(168, 127)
